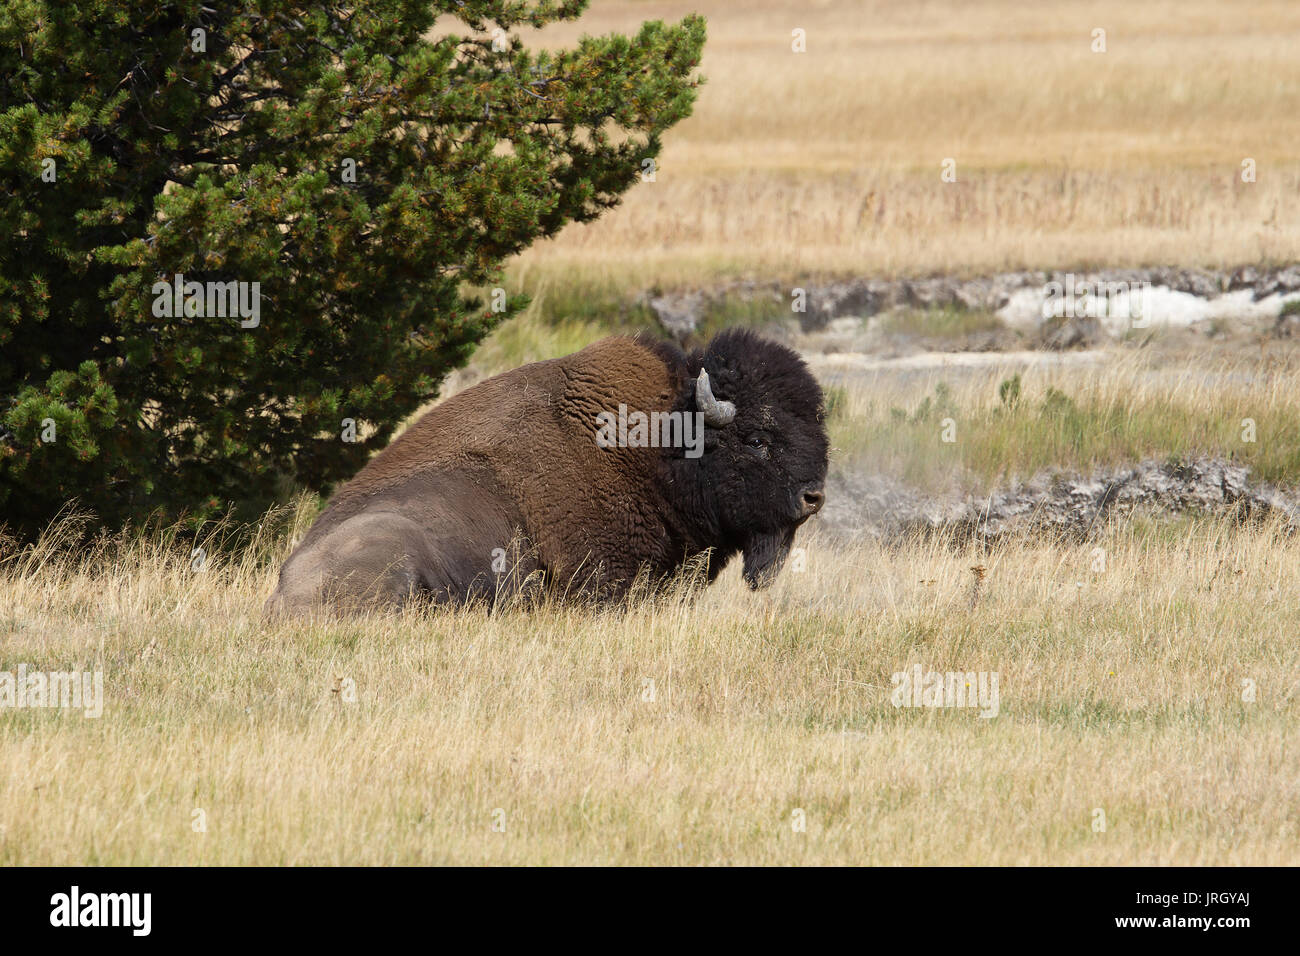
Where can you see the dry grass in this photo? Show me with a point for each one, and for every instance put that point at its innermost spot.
(1121, 679)
(1073, 411)
(829, 161)
(1120, 689)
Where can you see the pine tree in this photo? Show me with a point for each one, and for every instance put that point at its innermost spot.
(235, 234)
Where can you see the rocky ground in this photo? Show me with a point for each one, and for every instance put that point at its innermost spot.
(1121, 300)
(858, 503)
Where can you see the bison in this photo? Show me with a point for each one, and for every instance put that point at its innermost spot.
(630, 457)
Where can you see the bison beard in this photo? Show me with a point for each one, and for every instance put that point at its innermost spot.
(512, 466)
(764, 556)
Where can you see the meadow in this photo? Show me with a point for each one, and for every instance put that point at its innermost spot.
(1148, 674)
(1147, 713)
(1114, 407)
(829, 161)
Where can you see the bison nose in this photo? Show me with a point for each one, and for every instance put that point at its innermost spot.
(813, 499)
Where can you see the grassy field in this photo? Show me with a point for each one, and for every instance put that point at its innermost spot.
(1148, 678)
(829, 161)
(1125, 696)
(1009, 421)
(1149, 673)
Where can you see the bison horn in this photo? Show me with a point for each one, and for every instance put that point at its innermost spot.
(716, 413)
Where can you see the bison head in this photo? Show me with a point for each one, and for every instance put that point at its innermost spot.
(763, 470)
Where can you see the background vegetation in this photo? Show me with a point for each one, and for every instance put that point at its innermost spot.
(351, 172)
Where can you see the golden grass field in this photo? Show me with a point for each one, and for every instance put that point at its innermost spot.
(1121, 690)
(396, 739)
(829, 161)
(1154, 683)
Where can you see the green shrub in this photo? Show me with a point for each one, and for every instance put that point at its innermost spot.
(330, 175)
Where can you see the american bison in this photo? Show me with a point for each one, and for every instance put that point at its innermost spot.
(629, 457)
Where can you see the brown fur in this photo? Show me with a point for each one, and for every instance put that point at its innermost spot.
(512, 459)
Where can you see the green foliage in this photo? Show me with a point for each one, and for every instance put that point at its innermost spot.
(751, 311)
(1057, 404)
(931, 408)
(939, 324)
(837, 401)
(361, 169)
(1009, 391)
(1056, 429)
(541, 332)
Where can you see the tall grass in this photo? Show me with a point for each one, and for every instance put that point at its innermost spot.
(828, 161)
(676, 731)
(1127, 407)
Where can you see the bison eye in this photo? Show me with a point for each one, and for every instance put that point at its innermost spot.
(758, 443)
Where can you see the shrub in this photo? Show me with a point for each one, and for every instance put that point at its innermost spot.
(332, 175)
